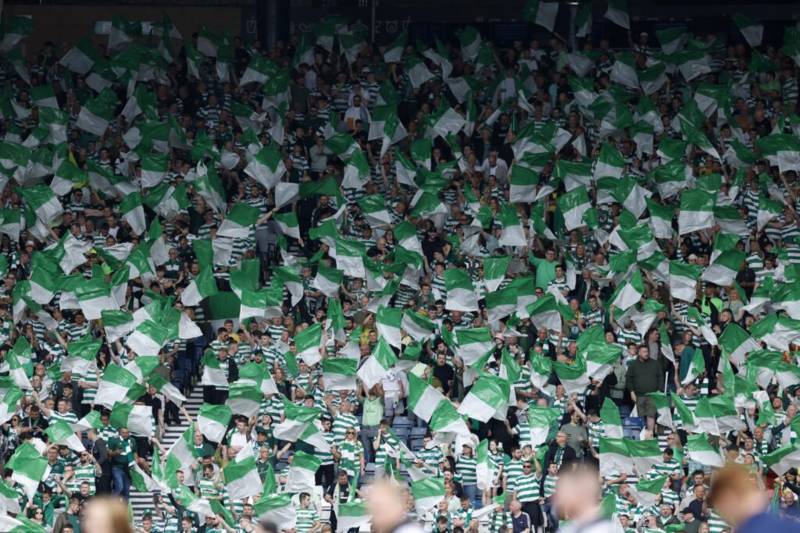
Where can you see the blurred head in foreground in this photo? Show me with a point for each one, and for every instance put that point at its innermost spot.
(577, 494)
(106, 515)
(737, 494)
(386, 504)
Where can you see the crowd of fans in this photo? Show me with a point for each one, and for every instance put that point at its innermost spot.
(423, 171)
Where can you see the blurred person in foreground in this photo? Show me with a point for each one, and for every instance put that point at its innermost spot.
(106, 515)
(577, 502)
(741, 499)
(385, 502)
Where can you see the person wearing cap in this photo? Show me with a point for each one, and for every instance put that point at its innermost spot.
(466, 467)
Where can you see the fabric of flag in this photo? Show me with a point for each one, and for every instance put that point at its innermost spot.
(783, 458)
(573, 206)
(617, 12)
(461, 294)
(542, 13)
(307, 344)
(389, 322)
(683, 280)
(302, 472)
(213, 420)
(487, 397)
(423, 399)
(418, 327)
(238, 221)
(339, 373)
(724, 269)
(350, 515)
(701, 451)
(267, 166)
(60, 432)
(276, 508)
(241, 478)
(751, 30)
(427, 494)
(612, 421)
(696, 212)
(115, 383)
(377, 364)
(522, 184)
(28, 468)
(138, 419)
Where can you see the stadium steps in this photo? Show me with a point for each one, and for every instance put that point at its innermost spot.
(143, 501)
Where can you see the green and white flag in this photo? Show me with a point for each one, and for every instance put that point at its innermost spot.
(574, 377)
(298, 419)
(614, 457)
(730, 220)
(81, 57)
(617, 12)
(209, 187)
(768, 210)
(97, 113)
(663, 410)
(213, 420)
(114, 384)
(610, 163)
(288, 224)
(786, 297)
(417, 326)
(541, 12)
(724, 269)
(374, 209)
(473, 343)
(644, 454)
(277, 508)
(611, 419)
(238, 221)
(692, 63)
(137, 418)
(308, 343)
(601, 358)
(68, 177)
(470, 40)
(241, 478)
(629, 292)
(394, 51)
(512, 233)
(672, 39)
(540, 423)
(781, 150)
(328, 280)
(267, 166)
(500, 304)
(573, 173)
(487, 397)
(573, 206)
(647, 491)
(697, 211)
(717, 415)
(736, 343)
(244, 399)
(461, 294)
(702, 452)
(43, 202)
(352, 514)
(339, 373)
(522, 184)
(494, 271)
(546, 312)
(81, 355)
(9, 501)
(427, 494)
(683, 280)
(752, 31)
(264, 303)
(696, 367)
(29, 468)
(148, 337)
(60, 433)
(302, 472)
(389, 322)
(378, 364)
(423, 399)
(777, 331)
(200, 288)
(418, 73)
(623, 71)
(9, 404)
(784, 458)
(133, 213)
(583, 20)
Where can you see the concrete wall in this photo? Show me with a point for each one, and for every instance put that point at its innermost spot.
(68, 23)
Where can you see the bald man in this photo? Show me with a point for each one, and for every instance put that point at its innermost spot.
(386, 504)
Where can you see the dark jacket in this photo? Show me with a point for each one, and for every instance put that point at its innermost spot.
(644, 376)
